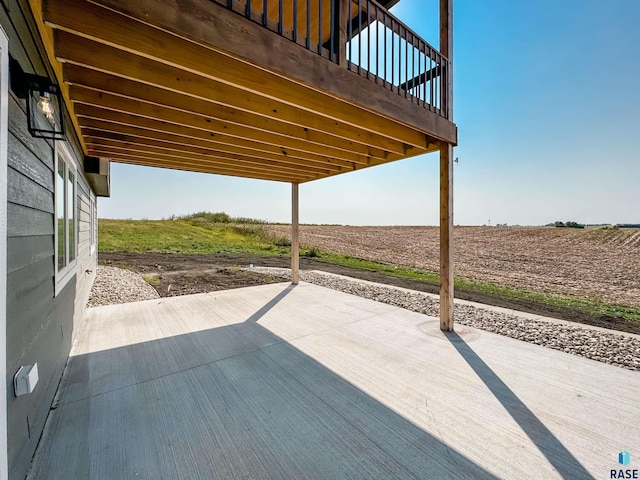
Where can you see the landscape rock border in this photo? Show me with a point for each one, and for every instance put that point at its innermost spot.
(116, 285)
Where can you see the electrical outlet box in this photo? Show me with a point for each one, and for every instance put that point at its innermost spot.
(26, 379)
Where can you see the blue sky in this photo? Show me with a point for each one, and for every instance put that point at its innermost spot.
(547, 102)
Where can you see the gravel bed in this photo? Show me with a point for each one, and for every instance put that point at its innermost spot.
(607, 347)
(116, 285)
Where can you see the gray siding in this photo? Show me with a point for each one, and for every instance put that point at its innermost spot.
(87, 262)
(36, 319)
(40, 324)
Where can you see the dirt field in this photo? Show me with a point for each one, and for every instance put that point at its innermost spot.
(173, 274)
(602, 264)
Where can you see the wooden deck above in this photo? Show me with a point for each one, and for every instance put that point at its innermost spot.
(193, 85)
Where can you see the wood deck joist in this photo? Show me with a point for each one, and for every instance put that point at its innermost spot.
(134, 84)
(102, 58)
(99, 116)
(155, 148)
(146, 137)
(208, 165)
(90, 103)
(198, 168)
(219, 116)
(98, 121)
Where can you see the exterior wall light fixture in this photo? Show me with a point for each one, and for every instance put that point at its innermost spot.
(44, 103)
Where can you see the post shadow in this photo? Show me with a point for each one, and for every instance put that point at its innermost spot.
(555, 452)
(270, 304)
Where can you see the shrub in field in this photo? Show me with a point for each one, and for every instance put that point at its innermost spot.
(260, 233)
(207, 217)
(313, 252)
(247, 220)
(281, 241)
(248, 230)
(216, 217)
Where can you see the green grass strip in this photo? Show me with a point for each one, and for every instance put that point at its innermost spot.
(592, 307)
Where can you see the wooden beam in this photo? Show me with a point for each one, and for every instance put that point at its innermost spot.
(223, 119)
(98, 56)
(295, 239)
(149, 137)
(229, 162)
(446, 237)
(152, 145)
(191, 166)
(97, 116)
(137, 36)
(187, 168)
(81, 95)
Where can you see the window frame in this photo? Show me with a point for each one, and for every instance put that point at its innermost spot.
(64, 274)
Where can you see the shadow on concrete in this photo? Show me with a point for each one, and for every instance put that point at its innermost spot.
(555, 452)
(227, 403)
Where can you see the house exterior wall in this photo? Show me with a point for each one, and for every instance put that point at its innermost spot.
(40, 324)
(87, 260)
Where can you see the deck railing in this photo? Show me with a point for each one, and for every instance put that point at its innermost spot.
(364, 37)
(384, 49)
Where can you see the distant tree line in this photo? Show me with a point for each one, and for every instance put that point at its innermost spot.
(581, 225)
(567, 224)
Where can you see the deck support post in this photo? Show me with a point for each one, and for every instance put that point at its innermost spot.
(446, 173)
(446, 237)
(295, 242)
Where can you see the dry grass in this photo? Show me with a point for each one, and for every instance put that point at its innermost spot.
(598, 264)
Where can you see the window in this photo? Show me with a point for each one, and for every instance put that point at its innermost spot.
(66, 218)
(93, 223)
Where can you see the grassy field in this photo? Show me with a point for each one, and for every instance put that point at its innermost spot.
(211, 234)
(190, 235)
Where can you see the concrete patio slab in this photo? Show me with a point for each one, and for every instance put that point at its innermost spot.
(305, 382)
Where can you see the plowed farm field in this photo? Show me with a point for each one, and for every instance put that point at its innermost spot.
(594, 263)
